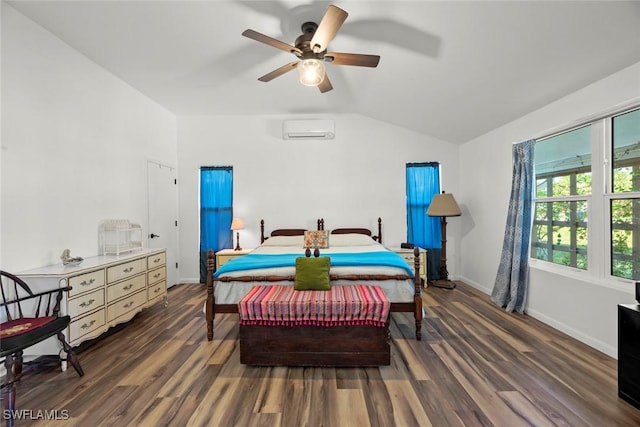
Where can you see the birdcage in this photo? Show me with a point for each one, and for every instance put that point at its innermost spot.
(119, 236)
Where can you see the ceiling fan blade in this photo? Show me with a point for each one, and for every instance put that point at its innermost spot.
(271, 42)
(325, 86)
(329, 26)
(356, 59)
(279, 71)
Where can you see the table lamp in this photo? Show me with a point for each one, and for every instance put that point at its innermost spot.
(236, 225)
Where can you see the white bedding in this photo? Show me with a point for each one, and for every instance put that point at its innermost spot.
(395, 290)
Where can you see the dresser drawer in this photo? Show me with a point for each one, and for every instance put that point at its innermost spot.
(156, 260)
(156, 275)
(130, 303)
(127, 269)
(157, 290)
(86, 282)
(407, 255)
(225, 255)
(86, 325)
(222, 259)
(126, 287)
(85, 303)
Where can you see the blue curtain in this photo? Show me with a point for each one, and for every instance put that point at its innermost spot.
(423, 182)
(512, 280)
(216, 212)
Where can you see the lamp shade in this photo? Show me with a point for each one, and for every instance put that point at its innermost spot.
(444, 205)
(311, 72)
(237, 224)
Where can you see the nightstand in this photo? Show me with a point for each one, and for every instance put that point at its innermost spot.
(225, 255)
(407, 254)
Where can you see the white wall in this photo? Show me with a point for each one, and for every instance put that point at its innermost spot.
(582, 307)
(75, 140)
(349, 181)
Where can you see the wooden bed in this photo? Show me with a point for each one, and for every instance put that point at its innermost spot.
(414, 306)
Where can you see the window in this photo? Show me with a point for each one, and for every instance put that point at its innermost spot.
(625, 199)
(588, 194)
(216, 212)
(422, 183)
(563, 187)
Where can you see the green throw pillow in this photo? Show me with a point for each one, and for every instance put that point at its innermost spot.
(312, 274)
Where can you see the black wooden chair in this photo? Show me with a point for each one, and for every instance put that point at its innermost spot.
(27, 319)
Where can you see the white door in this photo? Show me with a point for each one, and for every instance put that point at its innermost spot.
(162, 221)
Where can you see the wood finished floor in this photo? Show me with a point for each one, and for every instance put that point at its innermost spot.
(476, 366)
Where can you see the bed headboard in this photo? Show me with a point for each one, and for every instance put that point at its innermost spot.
(358, 230)
(351, 230)
(287, 231)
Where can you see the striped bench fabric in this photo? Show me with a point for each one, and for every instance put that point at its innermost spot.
(275, 305)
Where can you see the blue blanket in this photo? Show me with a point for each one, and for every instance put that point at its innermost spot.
(254, 261)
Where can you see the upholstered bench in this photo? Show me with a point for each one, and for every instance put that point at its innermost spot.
(344, 326)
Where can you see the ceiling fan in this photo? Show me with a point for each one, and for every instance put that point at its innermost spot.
(311, 50)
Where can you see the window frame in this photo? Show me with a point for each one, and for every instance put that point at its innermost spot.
(610, 195)
(599, 229)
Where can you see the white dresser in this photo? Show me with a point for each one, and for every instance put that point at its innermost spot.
(106, 290)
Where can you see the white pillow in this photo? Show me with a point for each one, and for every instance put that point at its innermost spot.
(284, 241)
(352, 239)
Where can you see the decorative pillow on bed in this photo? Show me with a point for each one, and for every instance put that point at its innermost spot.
(312, 274)
(316, 239)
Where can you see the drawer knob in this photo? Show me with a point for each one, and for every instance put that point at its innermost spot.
(128, 270)
(157, 260)
(85, 326)
(129, 286)
(155, 276)
(85, 283)
(129, 304)
(87, 303)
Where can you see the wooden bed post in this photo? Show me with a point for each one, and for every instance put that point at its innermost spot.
(210, 305)
(261, 231)
(380, 230)
(320, 224)
(417, 297)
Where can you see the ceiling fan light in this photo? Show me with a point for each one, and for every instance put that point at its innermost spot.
(311, 72)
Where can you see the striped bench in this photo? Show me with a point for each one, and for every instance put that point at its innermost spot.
(345, 326)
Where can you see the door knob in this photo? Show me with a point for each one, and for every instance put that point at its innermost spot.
(153, 235)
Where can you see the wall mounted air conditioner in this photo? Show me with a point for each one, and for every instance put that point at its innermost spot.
(308, 129)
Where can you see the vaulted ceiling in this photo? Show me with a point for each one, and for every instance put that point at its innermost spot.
(453, 70)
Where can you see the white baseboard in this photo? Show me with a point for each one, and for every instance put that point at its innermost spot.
(562, 327)
(580, 336)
